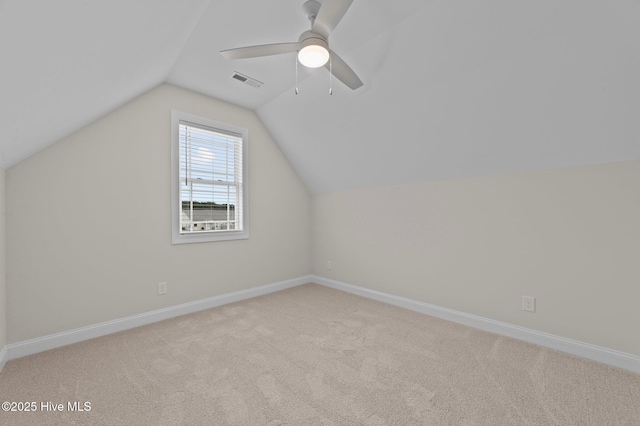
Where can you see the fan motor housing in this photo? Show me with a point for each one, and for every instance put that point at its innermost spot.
(309, 37)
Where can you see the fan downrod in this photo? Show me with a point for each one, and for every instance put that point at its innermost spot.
(311, 8)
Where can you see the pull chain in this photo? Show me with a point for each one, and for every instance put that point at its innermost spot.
(296, 73)
(330, 75)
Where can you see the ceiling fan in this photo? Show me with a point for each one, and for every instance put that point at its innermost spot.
(312, 46)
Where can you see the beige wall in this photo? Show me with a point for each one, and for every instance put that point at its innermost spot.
(88, 221)
(569, 237)
(3, 269)
(88, 232)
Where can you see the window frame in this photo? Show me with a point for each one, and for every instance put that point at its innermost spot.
(177, 237)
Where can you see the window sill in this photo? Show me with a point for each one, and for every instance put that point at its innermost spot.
(209, 237)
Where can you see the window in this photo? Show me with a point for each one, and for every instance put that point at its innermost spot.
(208, 180)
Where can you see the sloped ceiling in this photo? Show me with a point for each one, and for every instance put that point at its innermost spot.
(65, 63)
(451, 88)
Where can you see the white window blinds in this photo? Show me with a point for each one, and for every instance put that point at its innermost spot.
(210, 179)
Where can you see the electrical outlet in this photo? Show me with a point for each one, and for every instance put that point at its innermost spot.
(528, 303)
(329, 264)
(162, 288)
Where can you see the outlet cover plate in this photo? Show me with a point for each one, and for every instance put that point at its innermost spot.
(528, 303)
(162, 288)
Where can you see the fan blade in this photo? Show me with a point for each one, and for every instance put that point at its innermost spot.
(329, 15)
(343, 72)
(257, 51)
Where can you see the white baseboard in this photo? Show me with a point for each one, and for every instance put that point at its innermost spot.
(3, 357)
(52, 341)
(585, 350)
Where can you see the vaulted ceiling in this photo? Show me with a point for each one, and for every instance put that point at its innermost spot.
(451, 88)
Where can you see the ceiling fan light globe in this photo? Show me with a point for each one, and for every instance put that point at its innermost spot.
(313, 50)
(313, 56)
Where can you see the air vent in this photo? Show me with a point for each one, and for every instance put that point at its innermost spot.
(246, 79)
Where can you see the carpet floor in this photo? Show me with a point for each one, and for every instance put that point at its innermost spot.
(312, 355)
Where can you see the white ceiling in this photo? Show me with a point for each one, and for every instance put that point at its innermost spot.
(451, 88)
(65, 63)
